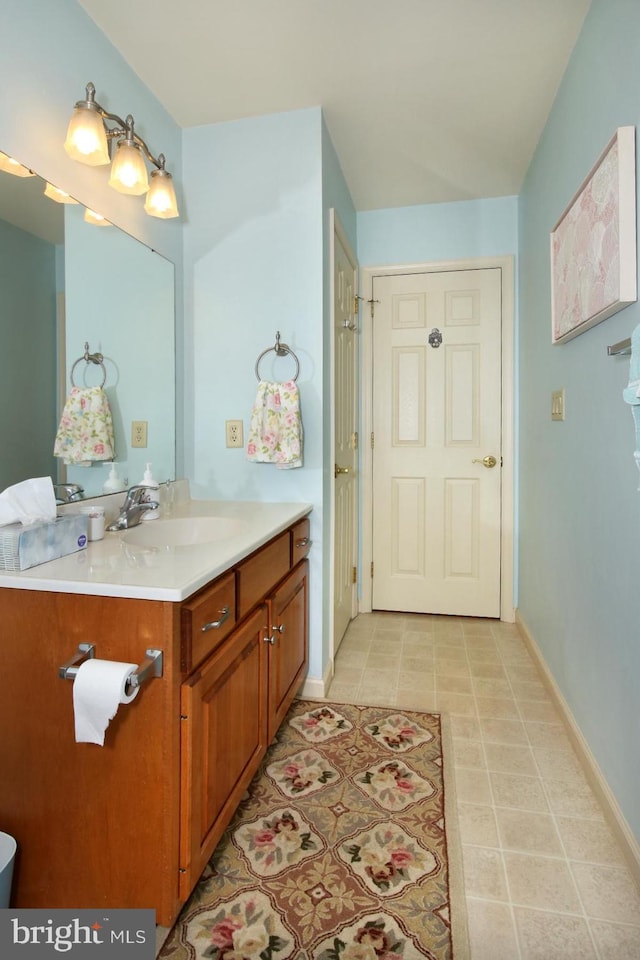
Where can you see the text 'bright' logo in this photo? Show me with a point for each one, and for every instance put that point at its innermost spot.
(63, 937)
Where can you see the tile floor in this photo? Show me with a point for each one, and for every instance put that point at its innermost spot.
(544, 878)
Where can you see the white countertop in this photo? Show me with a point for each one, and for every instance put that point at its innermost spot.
(114, 568)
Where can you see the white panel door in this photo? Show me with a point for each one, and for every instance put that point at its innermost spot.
(437, 430)
(345, 452)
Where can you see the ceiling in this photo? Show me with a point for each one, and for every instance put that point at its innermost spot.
(426, 101)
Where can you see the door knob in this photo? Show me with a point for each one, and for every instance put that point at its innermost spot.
(337, 470)
(486, 461)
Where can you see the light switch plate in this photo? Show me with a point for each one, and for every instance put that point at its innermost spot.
(557, 405)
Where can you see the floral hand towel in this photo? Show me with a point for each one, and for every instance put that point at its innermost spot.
(85, 433)
(275, 430)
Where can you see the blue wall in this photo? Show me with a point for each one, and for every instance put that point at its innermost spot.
(579, 502)
(253, 266)
(438, 231)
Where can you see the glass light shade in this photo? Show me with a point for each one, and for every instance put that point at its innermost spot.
(128, 170)
(94, 218)
(9, 165)
(86, 137)
(161, 198)
(54, 193)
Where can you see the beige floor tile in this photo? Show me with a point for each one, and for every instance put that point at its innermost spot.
(615, 940)
(450, 652)
(528, 832)
(608, 893)
(350, 675)
(452, 668)
(529, 690)
(456, 703)
(487, 669)
(343, 692)
(497, 707)
(509, 758)
(381, 661)
(519, 793)
(484, 873)
(558, 764)
(467, 727)
(503, 731)
(416, 665)
(572, 798)
(472, 786)
(492, 687)
(539, 710)
(551, 735)
(491, 931)
(468, 753)
(541, 882)
(454, 684)
(589, 840)
(553, 936)
(347, 657)
(477, 824)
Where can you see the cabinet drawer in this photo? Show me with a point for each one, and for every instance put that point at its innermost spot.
(207, 619)
(300, 541)
(261, 572)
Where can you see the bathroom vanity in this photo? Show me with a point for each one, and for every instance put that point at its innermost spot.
(133, 823)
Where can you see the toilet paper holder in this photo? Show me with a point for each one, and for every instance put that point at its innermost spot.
(151, 666)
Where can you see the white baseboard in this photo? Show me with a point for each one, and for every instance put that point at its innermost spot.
(610, 808)
(317, 687)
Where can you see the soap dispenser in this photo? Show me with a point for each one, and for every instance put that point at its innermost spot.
(152, 494)
(113, 483)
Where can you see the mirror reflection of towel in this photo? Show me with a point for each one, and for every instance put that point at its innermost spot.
(275, 429)
(85, 433)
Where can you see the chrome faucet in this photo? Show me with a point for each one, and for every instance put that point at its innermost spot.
(133, 509)
(68, 492)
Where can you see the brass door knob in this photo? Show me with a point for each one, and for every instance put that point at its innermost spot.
(486, 461)
(337, 470)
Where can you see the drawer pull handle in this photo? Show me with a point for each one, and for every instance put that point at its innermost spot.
(304, 542)
(214, 624)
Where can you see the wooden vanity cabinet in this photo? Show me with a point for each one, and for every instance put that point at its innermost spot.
(133, 823)
(223, 727)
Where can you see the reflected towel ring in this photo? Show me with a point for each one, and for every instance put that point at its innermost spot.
(281, 350)
(96, 358)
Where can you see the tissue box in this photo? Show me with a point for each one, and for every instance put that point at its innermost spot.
(27, 546)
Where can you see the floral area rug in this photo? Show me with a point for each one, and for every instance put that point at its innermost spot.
(344, 848)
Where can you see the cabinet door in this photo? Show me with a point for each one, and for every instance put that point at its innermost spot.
(224, 737)
(288, 649)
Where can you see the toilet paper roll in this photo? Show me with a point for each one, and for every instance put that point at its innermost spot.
(99, 688)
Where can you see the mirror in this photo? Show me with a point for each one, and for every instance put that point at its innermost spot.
(64, 283)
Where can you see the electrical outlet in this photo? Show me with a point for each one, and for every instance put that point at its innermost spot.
(234, 433)
(139, 433)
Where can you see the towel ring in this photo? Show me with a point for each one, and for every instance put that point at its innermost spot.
(96, 358)
(281, 350)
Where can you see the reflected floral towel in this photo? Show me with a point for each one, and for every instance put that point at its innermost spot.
(275, 430)
(85, 433)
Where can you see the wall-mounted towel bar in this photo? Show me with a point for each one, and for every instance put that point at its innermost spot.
(619, 349)
(151, 666)
(281, 350)
(96, 358)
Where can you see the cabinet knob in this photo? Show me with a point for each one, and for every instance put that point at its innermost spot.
(279, 629)
(303, 542)
(214, 624)
(270, 640)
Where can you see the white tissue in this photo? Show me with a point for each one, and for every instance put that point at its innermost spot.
(99, 688)
(28, 502)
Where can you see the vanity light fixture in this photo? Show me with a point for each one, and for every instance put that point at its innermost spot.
(9, 165)
(88, 139)
(90, 216)
(54, 193)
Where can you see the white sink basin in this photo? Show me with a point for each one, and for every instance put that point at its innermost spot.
(184, 531)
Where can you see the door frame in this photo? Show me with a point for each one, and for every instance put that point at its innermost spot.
(507, 265)
(336, 229)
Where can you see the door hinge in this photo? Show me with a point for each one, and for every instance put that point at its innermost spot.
(354, 575)
(372, 568)
(356, 305)
(372, 440)
(371, 303)
(354, 440)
